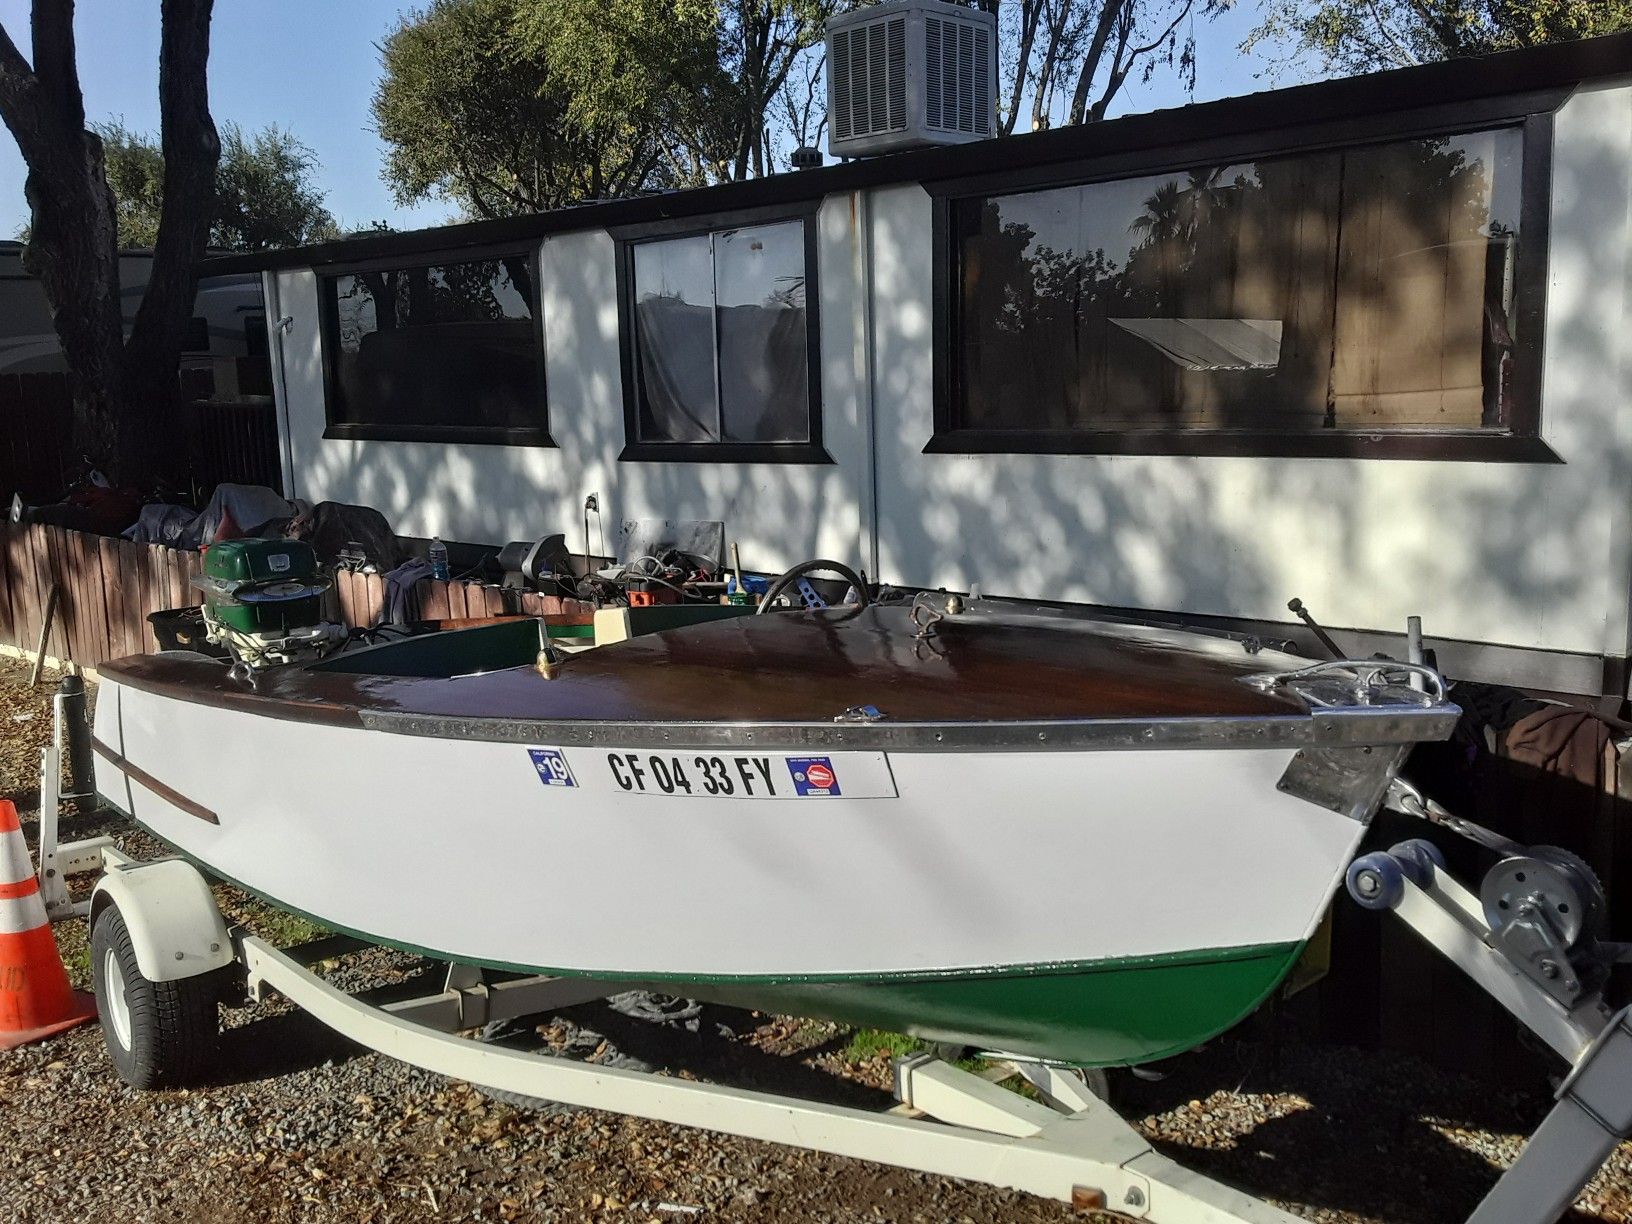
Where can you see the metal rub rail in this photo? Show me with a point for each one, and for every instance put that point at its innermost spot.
(1321, 727)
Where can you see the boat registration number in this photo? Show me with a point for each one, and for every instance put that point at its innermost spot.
(710, 775)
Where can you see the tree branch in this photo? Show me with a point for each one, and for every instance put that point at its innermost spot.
(1041, 98)
(14, 69)
(1120, 66)
(1096, 51)
(191, 151)
(1147, 48)
(53, 32)
(1029, 12)
(1402, 54)
(20, 104)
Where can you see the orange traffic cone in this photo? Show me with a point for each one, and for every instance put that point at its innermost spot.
(35, 999)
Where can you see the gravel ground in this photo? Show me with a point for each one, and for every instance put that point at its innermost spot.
(300, 1125)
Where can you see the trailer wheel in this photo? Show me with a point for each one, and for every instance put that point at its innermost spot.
(159, 1034)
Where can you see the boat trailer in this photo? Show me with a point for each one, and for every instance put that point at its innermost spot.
(1069, 1145)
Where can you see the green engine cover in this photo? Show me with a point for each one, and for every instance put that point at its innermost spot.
(263, 586)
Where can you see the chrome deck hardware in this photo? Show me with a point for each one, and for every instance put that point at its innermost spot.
(1352, 682)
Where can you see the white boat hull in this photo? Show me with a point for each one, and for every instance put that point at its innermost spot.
(923, 862)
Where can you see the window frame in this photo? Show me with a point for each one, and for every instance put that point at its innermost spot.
(626, 239)
(376, 431)
(1520, 442)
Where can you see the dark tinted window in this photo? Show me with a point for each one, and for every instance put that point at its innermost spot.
(722, 339)
(1363, 289)
(447, 346)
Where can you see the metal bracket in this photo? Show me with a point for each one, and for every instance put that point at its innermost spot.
(1349, 781)
(1593, 1115)
(59, 861)
(1532, 944)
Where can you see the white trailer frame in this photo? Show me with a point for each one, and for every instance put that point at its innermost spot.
(1075, 1148)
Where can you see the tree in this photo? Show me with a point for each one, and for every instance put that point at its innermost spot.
(1351, 36)
(761, 41)
(510, 106)
(474, 110)
(650, 65)
(264, 196)
(1085, 50)
(702, 77)
(506, 106)
(119, 386)
(135, 171)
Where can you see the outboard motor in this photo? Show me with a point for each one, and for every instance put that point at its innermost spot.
(263, 601)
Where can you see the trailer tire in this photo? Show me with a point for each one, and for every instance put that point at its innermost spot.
(159, 1034)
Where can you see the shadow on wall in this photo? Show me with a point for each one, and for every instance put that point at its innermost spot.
(1549, 537)
(1527, 554)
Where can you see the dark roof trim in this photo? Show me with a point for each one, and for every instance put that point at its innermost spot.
(1561, 65)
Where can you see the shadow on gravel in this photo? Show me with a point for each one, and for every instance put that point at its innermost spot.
(1356, 1174)
(283, 1044)
(717, 1057)
(703, 1044)
(1367, 1141)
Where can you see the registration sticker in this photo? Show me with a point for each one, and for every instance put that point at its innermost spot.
(552, 767)
(597, 773)
(813, 775)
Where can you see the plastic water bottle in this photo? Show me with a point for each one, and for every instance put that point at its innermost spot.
(439, 559)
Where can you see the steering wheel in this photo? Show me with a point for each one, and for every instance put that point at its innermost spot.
(786, 579)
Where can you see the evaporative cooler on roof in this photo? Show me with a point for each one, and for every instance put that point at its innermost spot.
(910, 73)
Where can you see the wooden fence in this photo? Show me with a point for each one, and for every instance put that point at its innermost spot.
(214, 441)
(107, 587)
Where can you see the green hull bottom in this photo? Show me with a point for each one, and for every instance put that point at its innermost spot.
(1110, 1013)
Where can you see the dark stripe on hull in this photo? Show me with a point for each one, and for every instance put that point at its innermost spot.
(146, 780)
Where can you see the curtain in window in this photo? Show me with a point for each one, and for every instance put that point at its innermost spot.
(722, 337)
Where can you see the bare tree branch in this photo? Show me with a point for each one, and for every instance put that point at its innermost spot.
(1029, 12)
(1161, 38)
(1108, 15)
(15, 71)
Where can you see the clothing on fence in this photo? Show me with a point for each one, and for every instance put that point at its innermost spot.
(1542, 773)
(237, 510)
(334, 527)
(161, 523)
(401, 604)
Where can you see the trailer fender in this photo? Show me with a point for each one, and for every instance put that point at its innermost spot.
(175, 928)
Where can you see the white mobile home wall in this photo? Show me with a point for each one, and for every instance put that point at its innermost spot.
(1527, 555)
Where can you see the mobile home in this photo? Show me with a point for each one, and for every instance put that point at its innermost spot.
(228, 320)
(1366, 342)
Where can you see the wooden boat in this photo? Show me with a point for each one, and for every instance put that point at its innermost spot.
(1058, 839)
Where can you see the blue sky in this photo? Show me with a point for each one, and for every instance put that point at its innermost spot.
(311, 66)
